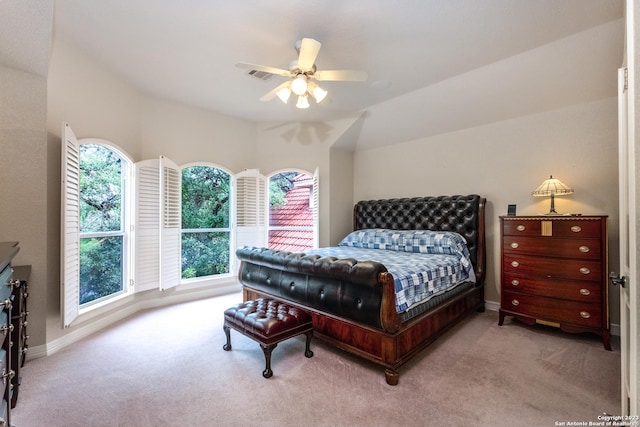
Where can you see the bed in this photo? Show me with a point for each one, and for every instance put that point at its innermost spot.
(356, 296)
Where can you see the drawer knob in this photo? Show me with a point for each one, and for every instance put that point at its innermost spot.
(521, 227)
(515, 282)
(576, 229)
(514, 245)
(515, 302)
(515, 263)
(584, 249)
(585, 292)
(585, 314)
(585, 270)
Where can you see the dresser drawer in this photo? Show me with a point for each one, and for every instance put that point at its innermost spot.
(5, 323)
(541, 267)
(521, 228)
(552, 309)
(578, 228)
(581, 291)
(548, 246)
(4, 413)
(574, 228)
(3, 361)
(5, 283)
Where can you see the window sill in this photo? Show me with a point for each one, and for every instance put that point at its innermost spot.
(107, 301)
(198, 283)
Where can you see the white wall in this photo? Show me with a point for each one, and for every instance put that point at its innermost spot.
(505, 162)
(188, 134)
(23, 179)
(92, 100)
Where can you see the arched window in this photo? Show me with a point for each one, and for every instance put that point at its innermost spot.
(206, 225)
(104, 251)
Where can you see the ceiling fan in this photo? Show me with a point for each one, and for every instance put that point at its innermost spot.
(302, 73)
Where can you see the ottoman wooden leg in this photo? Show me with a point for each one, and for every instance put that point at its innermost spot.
(267, 349)
(307, 351)
(227, 346)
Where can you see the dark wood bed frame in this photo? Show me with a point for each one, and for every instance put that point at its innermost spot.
(396, 342)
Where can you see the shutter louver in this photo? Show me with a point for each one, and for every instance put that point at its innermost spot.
(170, 235)
(70, 224)
(316, 208)
(251, 209)
(147, 266)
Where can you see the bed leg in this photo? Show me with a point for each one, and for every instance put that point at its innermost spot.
(391, 376)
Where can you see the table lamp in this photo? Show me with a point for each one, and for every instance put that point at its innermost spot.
(552, 187)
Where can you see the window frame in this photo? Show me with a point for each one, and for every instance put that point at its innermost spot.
(70, 226)
(214, 278)
(126, 224)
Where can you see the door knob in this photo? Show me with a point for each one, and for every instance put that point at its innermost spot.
(617, 280)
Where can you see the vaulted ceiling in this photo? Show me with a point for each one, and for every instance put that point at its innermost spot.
(433, 65)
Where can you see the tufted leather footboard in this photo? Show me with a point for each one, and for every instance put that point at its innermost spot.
(342, 287)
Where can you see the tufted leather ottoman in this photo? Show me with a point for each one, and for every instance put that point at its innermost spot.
(268, 322)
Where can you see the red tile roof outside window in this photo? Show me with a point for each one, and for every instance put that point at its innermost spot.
(295, 212)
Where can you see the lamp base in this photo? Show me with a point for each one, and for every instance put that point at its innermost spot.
(552, 210)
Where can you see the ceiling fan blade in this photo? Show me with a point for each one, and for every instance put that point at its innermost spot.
(309, 49)
(269, 96)
(264, 68)
(341, 75)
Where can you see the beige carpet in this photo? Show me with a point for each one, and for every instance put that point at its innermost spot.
(166, 367)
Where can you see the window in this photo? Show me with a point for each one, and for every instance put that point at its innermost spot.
(292, 211)
(95, 223)
(206, 228)
(103, 240)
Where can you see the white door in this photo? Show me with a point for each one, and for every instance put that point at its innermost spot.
(626, 276)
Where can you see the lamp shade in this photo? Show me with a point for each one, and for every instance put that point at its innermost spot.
(552, 187)
(303, 102)
(316, 91)
(284, 94)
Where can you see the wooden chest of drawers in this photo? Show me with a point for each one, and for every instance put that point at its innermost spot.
(553, 271)
(8, 250)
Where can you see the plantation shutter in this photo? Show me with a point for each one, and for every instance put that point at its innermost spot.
(171, 224)
(70, 227)
(147, 225)
(251, 209)
(316, 208)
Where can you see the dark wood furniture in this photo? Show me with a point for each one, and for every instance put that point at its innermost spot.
(554, 272)
(353, 304)
(19, 337)
(8, 251)
(268, 322)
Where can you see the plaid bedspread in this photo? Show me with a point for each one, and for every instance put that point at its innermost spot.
(417, 276)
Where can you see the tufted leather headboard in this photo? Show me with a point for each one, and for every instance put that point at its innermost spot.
(462, 214)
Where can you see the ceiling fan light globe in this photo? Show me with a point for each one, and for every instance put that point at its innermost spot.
(299, 85)
(303, 102)
(284, 94)
(319, 94)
